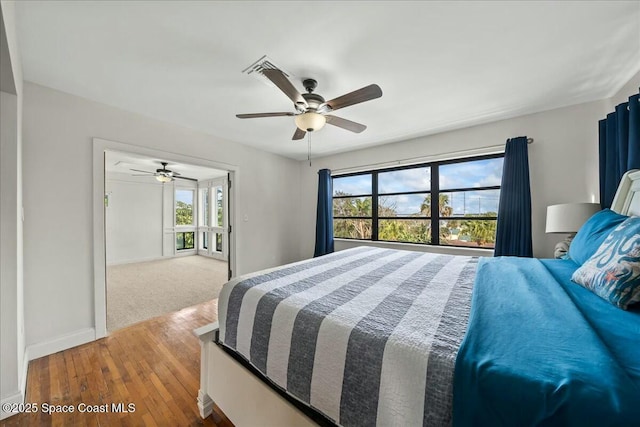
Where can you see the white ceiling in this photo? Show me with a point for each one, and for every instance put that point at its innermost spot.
(119, 162)
(441, 65)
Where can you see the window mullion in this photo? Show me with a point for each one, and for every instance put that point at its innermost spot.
(374, 206)
(435, 204)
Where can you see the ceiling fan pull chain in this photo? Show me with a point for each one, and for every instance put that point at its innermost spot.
(309, 148)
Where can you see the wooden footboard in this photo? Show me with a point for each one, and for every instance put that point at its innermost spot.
(245, 399)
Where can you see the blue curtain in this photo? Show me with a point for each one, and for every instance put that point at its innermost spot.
(324, 216)
(513, 237)
(619, 138)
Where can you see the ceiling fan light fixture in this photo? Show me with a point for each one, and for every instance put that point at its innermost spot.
(310, 121)
(164, 178)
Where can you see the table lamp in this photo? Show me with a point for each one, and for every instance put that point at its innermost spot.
(567, 218)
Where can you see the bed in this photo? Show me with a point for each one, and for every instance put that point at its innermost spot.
(373, 336)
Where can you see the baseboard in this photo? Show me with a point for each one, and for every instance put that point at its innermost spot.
(188, 252)
(16, 398)
(60, 343)
(25, 372)
(135, 261)
(19, 396)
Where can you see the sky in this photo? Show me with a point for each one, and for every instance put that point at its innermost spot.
(185, 196)
(478, 173)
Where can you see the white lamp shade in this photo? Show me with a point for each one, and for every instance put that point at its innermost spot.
(163, 178)
(310, 121)
(569, 217)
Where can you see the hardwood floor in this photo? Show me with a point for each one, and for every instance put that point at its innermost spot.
(153, 365)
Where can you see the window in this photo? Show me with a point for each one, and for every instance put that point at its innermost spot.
(396, 204)
(218, 220)
(218, 242)
(184, 207)
(184, 240)
(212, 224)
(204, 207)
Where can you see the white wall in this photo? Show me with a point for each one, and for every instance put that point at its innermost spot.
(133, 219)
(58, 242)
(630, 88)
(140, 218)
(12, 333)
(563, 163)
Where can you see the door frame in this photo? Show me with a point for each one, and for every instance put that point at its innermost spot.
(100, 146)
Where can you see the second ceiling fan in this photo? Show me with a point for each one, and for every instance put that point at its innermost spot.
(312, 111)
(163, 174)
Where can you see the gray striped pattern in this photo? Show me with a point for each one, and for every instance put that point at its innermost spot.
(367, 336)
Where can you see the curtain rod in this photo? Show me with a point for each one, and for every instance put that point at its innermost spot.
(469, 152)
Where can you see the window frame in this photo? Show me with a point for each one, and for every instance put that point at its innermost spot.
(184, 233)
(194, 213)
(434, 191)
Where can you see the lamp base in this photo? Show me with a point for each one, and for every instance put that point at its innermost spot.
(561, 249)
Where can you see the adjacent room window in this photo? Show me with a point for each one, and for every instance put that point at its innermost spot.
(205, 240)
(184, 207)
(453, 202)
(219, 217)
(184, 240)
(204, 207)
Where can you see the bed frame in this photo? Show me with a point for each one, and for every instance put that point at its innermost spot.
(244, 398)
(248, 400)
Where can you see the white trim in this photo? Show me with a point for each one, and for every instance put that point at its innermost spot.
(99, 256)
(137, 260)
(19, 396)
(25, 371)
(184, 252)
(451, 155)
(342, 244)
(60, 343)
(15, 398)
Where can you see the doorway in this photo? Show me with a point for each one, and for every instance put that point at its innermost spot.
(165, 243)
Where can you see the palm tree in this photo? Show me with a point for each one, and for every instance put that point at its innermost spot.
(443, 204)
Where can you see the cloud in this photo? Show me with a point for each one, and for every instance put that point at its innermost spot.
(357, 184)
(478, 173)
(405, 180)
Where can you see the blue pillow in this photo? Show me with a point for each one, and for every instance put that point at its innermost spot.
(593, 233)
(613, 272)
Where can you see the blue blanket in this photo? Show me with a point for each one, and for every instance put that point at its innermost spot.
(541, 350)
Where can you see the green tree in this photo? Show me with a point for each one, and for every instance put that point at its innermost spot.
(482, 232)
(184, 240)
(352, 207)
(184, 213)
(443, 204)
(445, 210)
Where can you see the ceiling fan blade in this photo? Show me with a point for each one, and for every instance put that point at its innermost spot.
(184, 177)
(138, 170)
(345, 124)
(367, 93)
(139, 174)
(174, 173)
(258, 115)
(279, 79)
(298, 134)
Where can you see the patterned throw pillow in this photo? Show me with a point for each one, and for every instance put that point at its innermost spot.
(613, 272)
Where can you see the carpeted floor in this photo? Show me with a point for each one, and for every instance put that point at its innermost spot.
(140, 291)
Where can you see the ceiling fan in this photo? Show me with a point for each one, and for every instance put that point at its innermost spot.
(312, 111)
(163, 174)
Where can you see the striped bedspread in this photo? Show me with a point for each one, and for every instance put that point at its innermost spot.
(366, 336)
